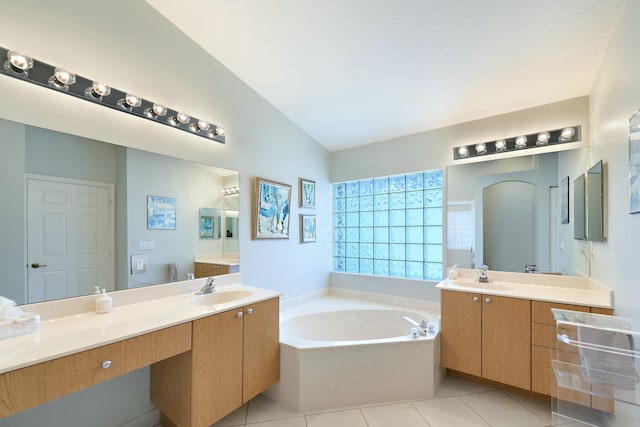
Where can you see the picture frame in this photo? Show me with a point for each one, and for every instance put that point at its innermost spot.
(307, 193)
(308, 231)
(634, 163)
(564, 201)
(161, 213)
(272, 209)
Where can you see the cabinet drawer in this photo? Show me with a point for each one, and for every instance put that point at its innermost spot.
(541, 311)
(31, 386)
(207, 269)
(547, 336)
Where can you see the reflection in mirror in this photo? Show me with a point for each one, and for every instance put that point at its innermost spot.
(210, 221)
(506, 213)
(578, 208)
(231, 223)
(595, 203)
(61, 186)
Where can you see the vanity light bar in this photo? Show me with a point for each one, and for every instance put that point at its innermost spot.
(17, 65)
(520, 142)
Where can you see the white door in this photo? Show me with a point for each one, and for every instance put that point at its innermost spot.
(69, 239)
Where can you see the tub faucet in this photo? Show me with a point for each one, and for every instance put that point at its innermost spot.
(483, 274)
(208, 288)
(423, 327)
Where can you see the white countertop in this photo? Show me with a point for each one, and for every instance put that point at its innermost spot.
(550, 288)
(217, 259)
(135, 314)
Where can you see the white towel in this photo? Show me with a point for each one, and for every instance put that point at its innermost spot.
(603, 367)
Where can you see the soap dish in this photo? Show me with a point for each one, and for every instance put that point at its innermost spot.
(27, 323)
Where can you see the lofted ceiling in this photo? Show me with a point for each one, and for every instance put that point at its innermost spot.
(354, 72)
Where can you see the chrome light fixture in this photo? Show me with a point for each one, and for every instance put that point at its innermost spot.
(18, 64)
(230, 191)
(520, 142)
(63, 81)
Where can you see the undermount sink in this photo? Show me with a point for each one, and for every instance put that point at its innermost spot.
(481, 285)
(219, 297)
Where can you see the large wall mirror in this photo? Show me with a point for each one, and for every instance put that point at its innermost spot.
(85, 213)
(506, 213)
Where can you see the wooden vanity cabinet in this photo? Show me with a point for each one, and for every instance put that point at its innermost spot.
(235, 356)
(34, 385)
(487, 336)
(206, 269)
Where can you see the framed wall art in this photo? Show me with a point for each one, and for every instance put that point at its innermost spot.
(272, 201)
(161, 213)
(307, 228)
(307, 193)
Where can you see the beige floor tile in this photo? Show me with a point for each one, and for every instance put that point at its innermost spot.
(540, 407)
(500, 410)
(262, 408)
(350, 418)
(443, 391)
(287, 422)
(461, 387)
(448, 412)
(398, 415)
(236, 418)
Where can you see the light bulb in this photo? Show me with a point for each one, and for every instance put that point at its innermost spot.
(481, 148)
(463, 152)
(202, 125)
(97, 90)
(182, 118)
(132, 100)
(543, 138)
(219, 131)
(159, 110)
(19, 62)
(521, 142)
(62, 79)
(567, 133)
(501, 145)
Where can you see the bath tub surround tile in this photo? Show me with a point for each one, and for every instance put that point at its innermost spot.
(262, 408)
(500, 410)
(351, 418)
(401, 414)
(448, 412)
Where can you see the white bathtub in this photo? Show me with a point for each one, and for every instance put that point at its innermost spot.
(341, 352)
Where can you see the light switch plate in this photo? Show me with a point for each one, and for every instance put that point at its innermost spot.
(138, 264)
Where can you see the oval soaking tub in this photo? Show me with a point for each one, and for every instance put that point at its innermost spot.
(340, 352)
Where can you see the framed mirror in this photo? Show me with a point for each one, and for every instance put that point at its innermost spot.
(495, 206)
(93, 185)
(210, 222)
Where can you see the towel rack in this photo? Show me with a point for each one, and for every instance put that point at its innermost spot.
(596, 369)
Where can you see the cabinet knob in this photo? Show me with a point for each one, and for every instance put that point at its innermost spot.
(487, 300)
(106, 364)
(249, 310)
(239, 314)
(476, 299)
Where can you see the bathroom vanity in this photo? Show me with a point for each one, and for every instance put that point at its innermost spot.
(503, 331)
(206, 266)
(208, 355)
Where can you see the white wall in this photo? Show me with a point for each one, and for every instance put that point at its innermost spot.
(129, 45)
(614, 98)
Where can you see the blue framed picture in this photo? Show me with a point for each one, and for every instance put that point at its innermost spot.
(272, 210)
(161, 213)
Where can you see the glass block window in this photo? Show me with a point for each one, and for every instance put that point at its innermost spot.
(390, 226)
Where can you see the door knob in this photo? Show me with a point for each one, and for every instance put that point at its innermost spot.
(487, 300)
(249, 310)
(239, 314)
(36, 265)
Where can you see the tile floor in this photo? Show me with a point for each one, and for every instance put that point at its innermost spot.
(458, 403)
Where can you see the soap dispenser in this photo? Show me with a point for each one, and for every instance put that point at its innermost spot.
(103, 302)
(453, 272)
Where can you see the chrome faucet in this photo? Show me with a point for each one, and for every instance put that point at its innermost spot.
(483, 274)
(423, 327)
(208, 288)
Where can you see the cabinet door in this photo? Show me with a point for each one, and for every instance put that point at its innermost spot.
(506, 340)
(461, 332)
(216, 388)
(261, 365)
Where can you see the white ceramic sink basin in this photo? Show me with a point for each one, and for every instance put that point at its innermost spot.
(480, 285)
(219, 297)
